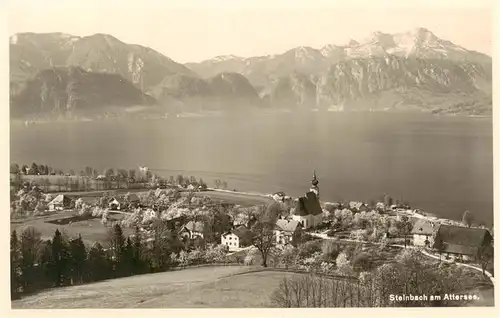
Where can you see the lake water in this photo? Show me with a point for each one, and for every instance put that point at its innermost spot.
(443, 165)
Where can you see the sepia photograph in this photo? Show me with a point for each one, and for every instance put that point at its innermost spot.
(204, 155)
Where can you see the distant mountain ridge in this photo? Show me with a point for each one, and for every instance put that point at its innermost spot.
(31, 52)
(414, 60)
(224, 91)
(414, 70)
(417, 43)
(74, 92)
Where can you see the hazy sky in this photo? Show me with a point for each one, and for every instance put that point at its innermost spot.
(190, 31)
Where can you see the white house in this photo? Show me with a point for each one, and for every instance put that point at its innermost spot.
(238, 238)
(423, 231)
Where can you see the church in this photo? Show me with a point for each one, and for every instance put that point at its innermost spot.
(308, 211)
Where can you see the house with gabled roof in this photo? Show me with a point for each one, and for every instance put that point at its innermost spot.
(193, 229)
(462, 242)
(237, 238)
(116, 203)
(59, 203)
(423, 232)
(287, 232)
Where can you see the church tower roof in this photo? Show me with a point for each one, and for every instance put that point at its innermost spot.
(314, 180)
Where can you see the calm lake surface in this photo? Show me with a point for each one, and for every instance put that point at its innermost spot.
(443, 165)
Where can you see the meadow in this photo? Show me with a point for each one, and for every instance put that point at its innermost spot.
(212, 286)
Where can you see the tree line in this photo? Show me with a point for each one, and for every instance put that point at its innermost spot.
(90, 179)
(38, 264)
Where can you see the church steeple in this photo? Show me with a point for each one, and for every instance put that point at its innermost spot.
(314, 184)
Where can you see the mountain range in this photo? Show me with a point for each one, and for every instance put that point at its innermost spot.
(414, 70)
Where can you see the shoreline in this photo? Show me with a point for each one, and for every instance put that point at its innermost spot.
(212, 114)
(409, 213)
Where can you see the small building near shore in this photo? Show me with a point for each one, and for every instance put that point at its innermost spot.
(461, 242)
(423, 232)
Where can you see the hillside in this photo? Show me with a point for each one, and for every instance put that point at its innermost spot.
(225, 91)
(73, 92)
(144, 67)
(379, 83)
(214, 287)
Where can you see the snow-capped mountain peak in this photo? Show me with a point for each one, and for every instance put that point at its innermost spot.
(224, 58)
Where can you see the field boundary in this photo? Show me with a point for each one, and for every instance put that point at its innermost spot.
(297, 271)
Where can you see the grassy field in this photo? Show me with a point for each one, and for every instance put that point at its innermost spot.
(91, 230)
(204, 287)
(216, 287)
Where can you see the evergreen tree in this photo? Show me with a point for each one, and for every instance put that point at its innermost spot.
(97, 263)
(127, 263)
(46, 266)
(30, 240)
(137, 252)
(78, 258)
(117, 246)
(34, 169)
(15, 262)
(59, 258)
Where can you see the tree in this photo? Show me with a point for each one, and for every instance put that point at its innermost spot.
(217, 183)
(117, 246)
(485, 256)
(60, 258)
(180, 180)
(388, 201)
(14, 168)
(30, 242)
(109, 172)
(128, 258)
(78, 258)
(34, 169)
(404, 227)
(132, 174)
(98, 264)
(362, 262)
(46, 265)
(137, 252)
(313, 291)
(343, 264)
(15, 265)
(467, 218)
(88, 171)
(24, 169)
(413, 274)
(202, 184)
(264, 239)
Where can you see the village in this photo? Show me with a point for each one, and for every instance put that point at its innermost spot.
(273, 230)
